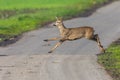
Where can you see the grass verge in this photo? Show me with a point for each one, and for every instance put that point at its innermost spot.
(19, 16)
(111, 60)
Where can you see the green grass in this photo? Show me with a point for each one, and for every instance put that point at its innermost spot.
(18, 16)
(111, 61)
(21, 4)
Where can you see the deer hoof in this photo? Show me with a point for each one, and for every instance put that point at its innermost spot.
(103, 51)
(50, 52)
(45, 40)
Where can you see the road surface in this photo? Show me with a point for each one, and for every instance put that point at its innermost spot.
(28, 59)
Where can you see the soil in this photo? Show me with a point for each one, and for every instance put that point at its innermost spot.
(8, 13)
(10, 40)
(4, 14)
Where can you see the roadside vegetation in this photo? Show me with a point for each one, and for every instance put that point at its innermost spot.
(19, 16)
(111, 60)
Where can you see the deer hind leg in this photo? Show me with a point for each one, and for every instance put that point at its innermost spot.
(96, 38)
(57, 45)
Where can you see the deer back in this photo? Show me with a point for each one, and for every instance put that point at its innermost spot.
(76, 33)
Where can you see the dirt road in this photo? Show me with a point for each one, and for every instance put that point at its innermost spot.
(28, 58)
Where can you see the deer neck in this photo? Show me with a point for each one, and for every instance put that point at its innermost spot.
(62, 28)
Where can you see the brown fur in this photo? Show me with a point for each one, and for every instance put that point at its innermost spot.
(69, 34)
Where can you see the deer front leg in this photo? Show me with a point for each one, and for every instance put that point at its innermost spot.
(52, 39)
(57, 45)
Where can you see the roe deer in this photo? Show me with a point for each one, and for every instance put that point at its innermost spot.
(70, 34)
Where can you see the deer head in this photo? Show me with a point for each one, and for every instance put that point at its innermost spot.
(58, 22)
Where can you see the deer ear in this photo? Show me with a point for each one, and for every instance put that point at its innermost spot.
(57, 18)
(60, 19)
